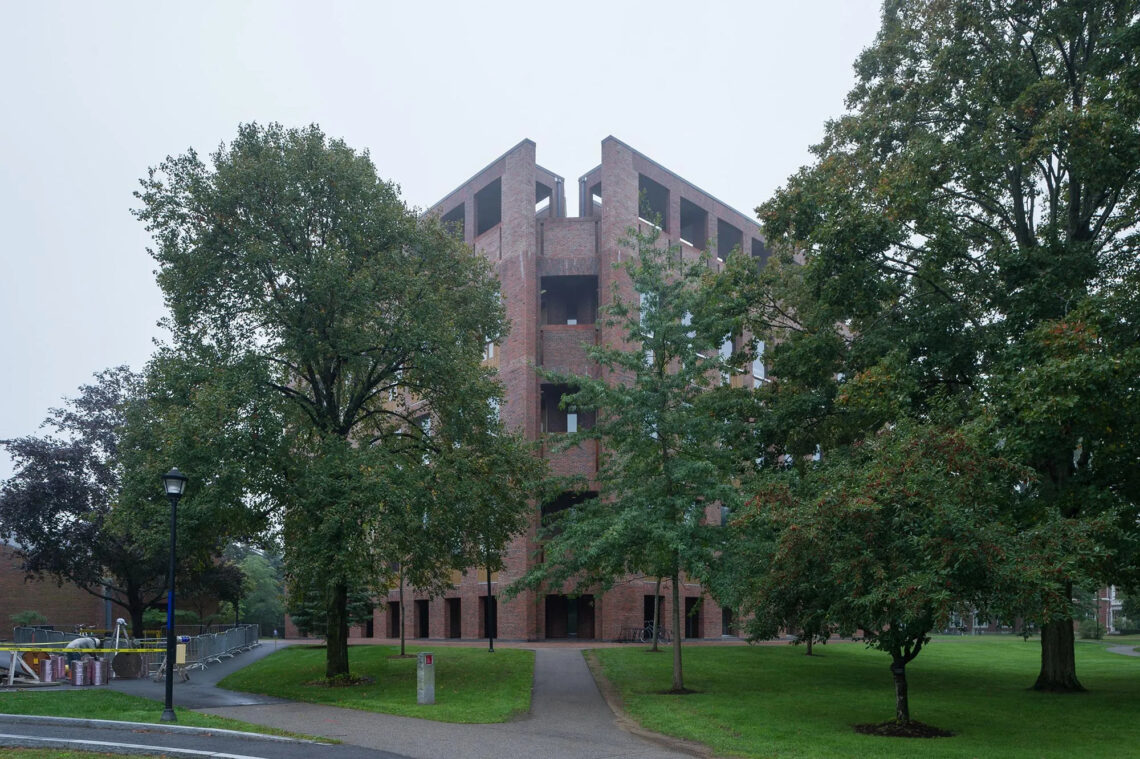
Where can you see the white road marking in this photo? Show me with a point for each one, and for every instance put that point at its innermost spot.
(154, 749)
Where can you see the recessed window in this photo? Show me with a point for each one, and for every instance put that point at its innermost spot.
(556, 419)
(454, 220)
(728, 239)
(569, 300)
(488, 207)
(760, 252)
(694, 224)
(653, 205)
(542, 199)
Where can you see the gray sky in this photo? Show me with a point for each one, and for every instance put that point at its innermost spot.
(727, 94)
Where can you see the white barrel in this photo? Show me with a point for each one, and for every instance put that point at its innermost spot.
(79, 672)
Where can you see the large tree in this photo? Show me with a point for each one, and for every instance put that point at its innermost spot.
(895, 535)
(662, 426)
(981, 193)
(288, 254)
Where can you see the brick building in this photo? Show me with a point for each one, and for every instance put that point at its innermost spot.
(64, 605)
(554, 271)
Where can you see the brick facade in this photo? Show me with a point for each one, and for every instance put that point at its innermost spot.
(539, 253)
(64, 605)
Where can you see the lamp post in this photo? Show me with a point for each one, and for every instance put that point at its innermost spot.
(174, 483)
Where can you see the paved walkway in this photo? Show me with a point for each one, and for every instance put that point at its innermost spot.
(1125, 650)
(569, 719)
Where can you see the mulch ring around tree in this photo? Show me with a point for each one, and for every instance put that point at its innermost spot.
(895, 729)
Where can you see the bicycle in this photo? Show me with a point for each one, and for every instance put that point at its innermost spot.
(646, 634)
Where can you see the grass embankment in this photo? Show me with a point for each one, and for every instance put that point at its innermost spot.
(108, 704)
(471, 685)
(769, 701)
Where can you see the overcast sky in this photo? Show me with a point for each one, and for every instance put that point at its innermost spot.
(727, 94)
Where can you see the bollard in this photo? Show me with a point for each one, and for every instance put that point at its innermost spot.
(425, 678)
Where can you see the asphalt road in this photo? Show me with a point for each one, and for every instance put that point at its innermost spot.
(174, 741)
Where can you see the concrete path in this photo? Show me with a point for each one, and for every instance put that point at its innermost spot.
(569, 719)
(201, 691)
(1125, 650)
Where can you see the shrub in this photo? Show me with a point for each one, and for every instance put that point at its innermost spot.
(29, 618)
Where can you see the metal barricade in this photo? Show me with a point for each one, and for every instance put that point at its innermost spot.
(201, 650)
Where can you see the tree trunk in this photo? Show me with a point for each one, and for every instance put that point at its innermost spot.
(400, 615)
(810, 640)
(336, 632)
(902, 705)
(1058, 664)
(135, 608)
(678, 680)
(656, 614)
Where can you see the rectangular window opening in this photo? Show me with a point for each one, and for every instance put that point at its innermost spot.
(653, 204)
(569, 300)
(728, 239)
(454, 618)
(542, 200)
(694, 224)
(760, 252)
(488, 207)
(555, 419)
(454, 220)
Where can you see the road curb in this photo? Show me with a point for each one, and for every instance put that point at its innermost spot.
(153, 727)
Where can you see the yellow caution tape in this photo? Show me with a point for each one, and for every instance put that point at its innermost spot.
(24, 649)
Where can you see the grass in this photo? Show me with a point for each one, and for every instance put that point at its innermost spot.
(772, 701)
(108, 704)
(471, 685)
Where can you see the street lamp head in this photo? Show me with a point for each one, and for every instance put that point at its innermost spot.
(174, 482)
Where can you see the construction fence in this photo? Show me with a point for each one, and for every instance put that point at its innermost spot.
(193, 651)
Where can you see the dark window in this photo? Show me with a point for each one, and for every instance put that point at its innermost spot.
(569, 300)
(653, 205)
(543, 198)
(454, 220)
(421, 619)
(488, 207)
(728, 239)
(727, 622)
(454, 618)
(760, 252)
(569, 419)
(647, 610)
(488, 621)
(694, 224)
(393, 619)
(692, 617)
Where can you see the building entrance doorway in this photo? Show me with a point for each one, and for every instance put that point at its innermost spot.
(454, 618)
(570, 617)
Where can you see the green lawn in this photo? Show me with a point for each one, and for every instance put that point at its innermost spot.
(109, 704)
(471, 685)
(772, 701)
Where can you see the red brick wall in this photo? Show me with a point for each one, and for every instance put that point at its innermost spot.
(64, 606)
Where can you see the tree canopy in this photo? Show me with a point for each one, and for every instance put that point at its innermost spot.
(968, 234)
(86, 505)
(289, 263)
